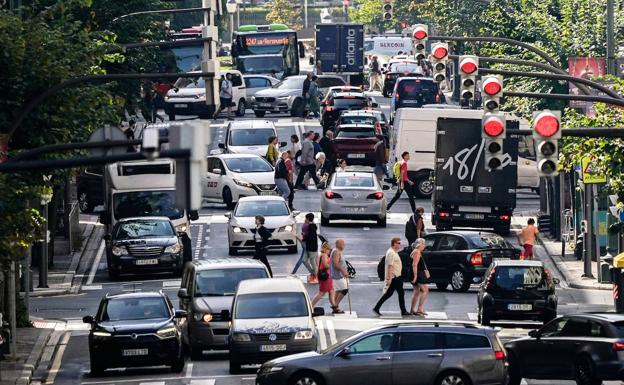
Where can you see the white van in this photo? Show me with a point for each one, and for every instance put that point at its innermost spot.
(414, 131)
(387, 45)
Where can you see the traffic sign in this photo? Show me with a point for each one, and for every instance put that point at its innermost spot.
(108, 133)
(589, 174)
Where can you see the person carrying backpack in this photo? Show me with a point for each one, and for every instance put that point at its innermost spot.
(403, 183)
(415, 226)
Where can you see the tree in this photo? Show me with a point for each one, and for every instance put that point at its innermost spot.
(369, 13)
(285, 12)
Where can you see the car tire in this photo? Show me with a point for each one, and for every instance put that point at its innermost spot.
(305, 378)
(178, 365)
(584, 371)
(292, 249)
(297, 109)
(423, 187)
(324, 221)
(235, 367)
(242, 106)
(259, 114)
(514, 372)
(187, 252)
(459, 281)
(227, 198)
(382, 222)
(113, 274)
(84, 203)
(171, 116)
(452, 377)
(442, 286)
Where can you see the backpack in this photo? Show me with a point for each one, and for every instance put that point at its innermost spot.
(396, 170)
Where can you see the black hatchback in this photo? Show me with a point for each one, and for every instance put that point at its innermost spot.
(135, 329)
(517, 290)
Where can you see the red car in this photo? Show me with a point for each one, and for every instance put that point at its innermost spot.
(356, 143)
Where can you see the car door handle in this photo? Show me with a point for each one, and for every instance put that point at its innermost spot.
(434, 355)
(383, 358)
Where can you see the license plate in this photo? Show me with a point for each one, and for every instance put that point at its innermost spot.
(180, 105)
(268, 193)
(134, 352)
(265, 104)
(273, 348)
(147, 262)
(520, 306)
(473, 216)
(354, 209)
(355, 155)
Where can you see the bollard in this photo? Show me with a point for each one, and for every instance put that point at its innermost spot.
(606, 263)
(618, 289)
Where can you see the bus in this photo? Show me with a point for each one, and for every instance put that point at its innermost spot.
(266, 49)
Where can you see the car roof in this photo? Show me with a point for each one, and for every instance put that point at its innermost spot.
(414, 78)
(355, 172)
(261, 198)
(140, 294)
(338, 88)
(517, 263)
(259, 76)
(227, 263)
(440, 325)
(609, 317)
(359, 113)
(270, 285)
(236, 156)
(144, 218)
(250, 124)
(352, 94)
(462, 233)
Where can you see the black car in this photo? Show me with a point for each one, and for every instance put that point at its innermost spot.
(144, 244)
(414, 92)
(517, 290)
(588, 348)
(458, 258)
(90, 188)
(332, 107)
(399, 70)
(135, 329)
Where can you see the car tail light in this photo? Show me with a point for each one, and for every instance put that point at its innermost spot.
(504, 217)
(378, 195)
(488, 280)
(443, 214)
(332, 195)
(500, 355)
(618, 346)
(476, 259)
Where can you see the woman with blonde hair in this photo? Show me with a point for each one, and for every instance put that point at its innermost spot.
(421, 276)
(323, 275)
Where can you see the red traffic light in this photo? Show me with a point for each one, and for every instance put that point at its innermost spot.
(492, 86)
(440, 52)
(493, 126)
(419, 33)
(546, 124)
(468, 66)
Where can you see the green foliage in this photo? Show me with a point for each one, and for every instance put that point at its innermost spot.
(369, 13)
(285, 12)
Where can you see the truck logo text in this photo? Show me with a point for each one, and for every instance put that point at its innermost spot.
(350, 55)
(462, 158)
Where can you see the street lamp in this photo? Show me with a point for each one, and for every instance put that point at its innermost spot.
(231, 6)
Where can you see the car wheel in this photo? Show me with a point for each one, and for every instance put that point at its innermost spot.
(297, 108)
(235, 367)
(514, 372)
(584, 372)
(292, 249)
(83, 202)
(113, 274)
(178, 365)
(424, 187)
(324, 221)
(381, 222)
(441, 286)
(452, 378)
(240, 111)
(305, 379)
(97, 368)
(259, 114)
(171, 116)
(227, 198)
(459, 281)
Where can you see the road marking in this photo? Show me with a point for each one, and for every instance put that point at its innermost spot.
(189, 370)
(92, 287)
(321, 332)
(209, 381)
(96, 263)
(472, 316)
(56, 364)
(152, 383)
(170, 284)
(332, 332)
(436, 315)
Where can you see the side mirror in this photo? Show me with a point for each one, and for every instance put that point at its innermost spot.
(107, 237)
(345, 353)
(183, 293)
(193, 215)
(228, 215)
(180, 314)
(283, 144)
(88, 319)
(385, 187)
(318, 312)
(556, 281)
(534, 334)
(105, 218)
(222, 145)
(225, 315)
(216, 171)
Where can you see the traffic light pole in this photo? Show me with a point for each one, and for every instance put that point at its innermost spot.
(588, 239)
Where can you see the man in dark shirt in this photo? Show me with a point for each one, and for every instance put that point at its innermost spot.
(380, 158)
(306, 86)
(327, 146)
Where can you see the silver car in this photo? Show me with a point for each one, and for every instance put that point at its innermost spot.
(354, 195)
(415, 353)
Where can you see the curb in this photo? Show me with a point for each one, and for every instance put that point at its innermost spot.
(33, 358)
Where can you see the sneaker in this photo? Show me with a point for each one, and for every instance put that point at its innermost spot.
(312, 279)
(337, 311)
(405, 313)
(377, 312)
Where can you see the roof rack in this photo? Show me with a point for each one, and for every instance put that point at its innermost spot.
(435, 323)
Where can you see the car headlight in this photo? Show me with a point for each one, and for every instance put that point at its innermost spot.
(173, 248)
(181, 228)
(206, 317)
(241, 337)
(200, 96)
(166, 332)
(272, 369)
(242, 183)
(287, 229)
(304, 335)
(119, 251)
(252, 99)
(283, 98)
(101, 333)
(237, 229)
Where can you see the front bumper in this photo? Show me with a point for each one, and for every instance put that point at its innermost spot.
(188, 107)
(110, 351)
(275, 105)
(165, 262)
(370, 209)
(242, 191)
(272, 378)
(209, 334)
(249, 352)
(245, 241)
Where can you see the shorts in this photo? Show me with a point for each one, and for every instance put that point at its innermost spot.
(226, 102)
(528, 250)
(340, 285)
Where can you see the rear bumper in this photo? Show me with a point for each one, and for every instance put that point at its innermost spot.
(468, 219)
(499, 308)
(191, 108)
(354, 157)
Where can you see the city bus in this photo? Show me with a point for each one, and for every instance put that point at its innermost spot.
(266, 49)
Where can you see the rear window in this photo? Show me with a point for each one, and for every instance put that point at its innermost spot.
(487, 241)
(406, 67)
(415, 89)
(358, 134)
(350, 102)
(465, 341)
(354, 181)
(358, 120)
(520, 277)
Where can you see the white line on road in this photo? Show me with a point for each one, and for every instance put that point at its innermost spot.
(167, 284)
(472, 316)
(96, 263)
(152, 383)
(56, 364)
(321, 332)
(91, 287)
(209, 381)
(332, 332)
(189, 370)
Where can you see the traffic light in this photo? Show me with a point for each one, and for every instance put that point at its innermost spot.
(468, 65)
(491, 92)
(439, 54)
(546, 131)
(493, 132)
(387, 10)
(420, 32)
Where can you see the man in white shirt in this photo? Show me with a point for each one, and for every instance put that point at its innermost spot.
(393, 281)
(225, 95)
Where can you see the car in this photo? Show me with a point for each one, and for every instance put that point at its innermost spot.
(416, 353)
(188, 97)
(399, 69)
(356, 143)
(337, 89)
(271, 317)
(332, 107)
(517, 290)
(233, 176)
(144, 244)
(587, 348)
(286, 97)
(374, 117)
(255, 83)
(414, 92)
(279, 219)
(353, 195)
(206, 294)
(89, 184)
(135, 329)
(248, 137)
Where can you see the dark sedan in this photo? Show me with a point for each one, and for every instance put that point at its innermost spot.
(587, 348)
(356, 143)
(399, 70)
(144, 244)
(135, 329)
(332, 107)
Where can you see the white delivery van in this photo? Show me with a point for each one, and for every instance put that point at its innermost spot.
(387, 45)
(414, 131)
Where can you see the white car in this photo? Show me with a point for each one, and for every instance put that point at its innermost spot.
(255, 83)
(279, 219)
(232, 176)
(248, 137)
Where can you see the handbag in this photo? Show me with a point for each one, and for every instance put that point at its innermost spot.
(426, 271)
(323, 274)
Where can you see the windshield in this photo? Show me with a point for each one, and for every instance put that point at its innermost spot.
(190, 83)
(260, 65)
(519, 277)
(405, 67)
(358, 120)
(351, 102)
(188, 58)
(146, 204)
(354, 181)
(143, 229)
(248, 165)
(268, 208)
(487, 241)
(222, 282)
(290, 84)
(251, 136)
(263, 43)
(417, 90)
(128, 309)
(358, 134)
(271, 305)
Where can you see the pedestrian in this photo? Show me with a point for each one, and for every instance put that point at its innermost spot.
(313, 98)
(305, 91)
(309, 240)
(272, 154)
(130, 135)
(526, 237)
(415, 226)
(307, 162)
(375, 76)
(380, 158)
(404, 183)
(290, 165)
(326, 284)
(281, 176)
(420, 279)
(324, 169)
(317, 150)
(327, 146)
(295, 146)
(317, 68)
(393, 281)
(342, 165)
(339, 275)
(225, 96)
(261, 235)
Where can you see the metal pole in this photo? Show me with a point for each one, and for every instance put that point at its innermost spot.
(305, 13)
(587, 244)
(610, 39)
(595, 227)
(27, 277)
(12, 308)
(238, 16)
(43, 263)
(562, 209)
(231, 27)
